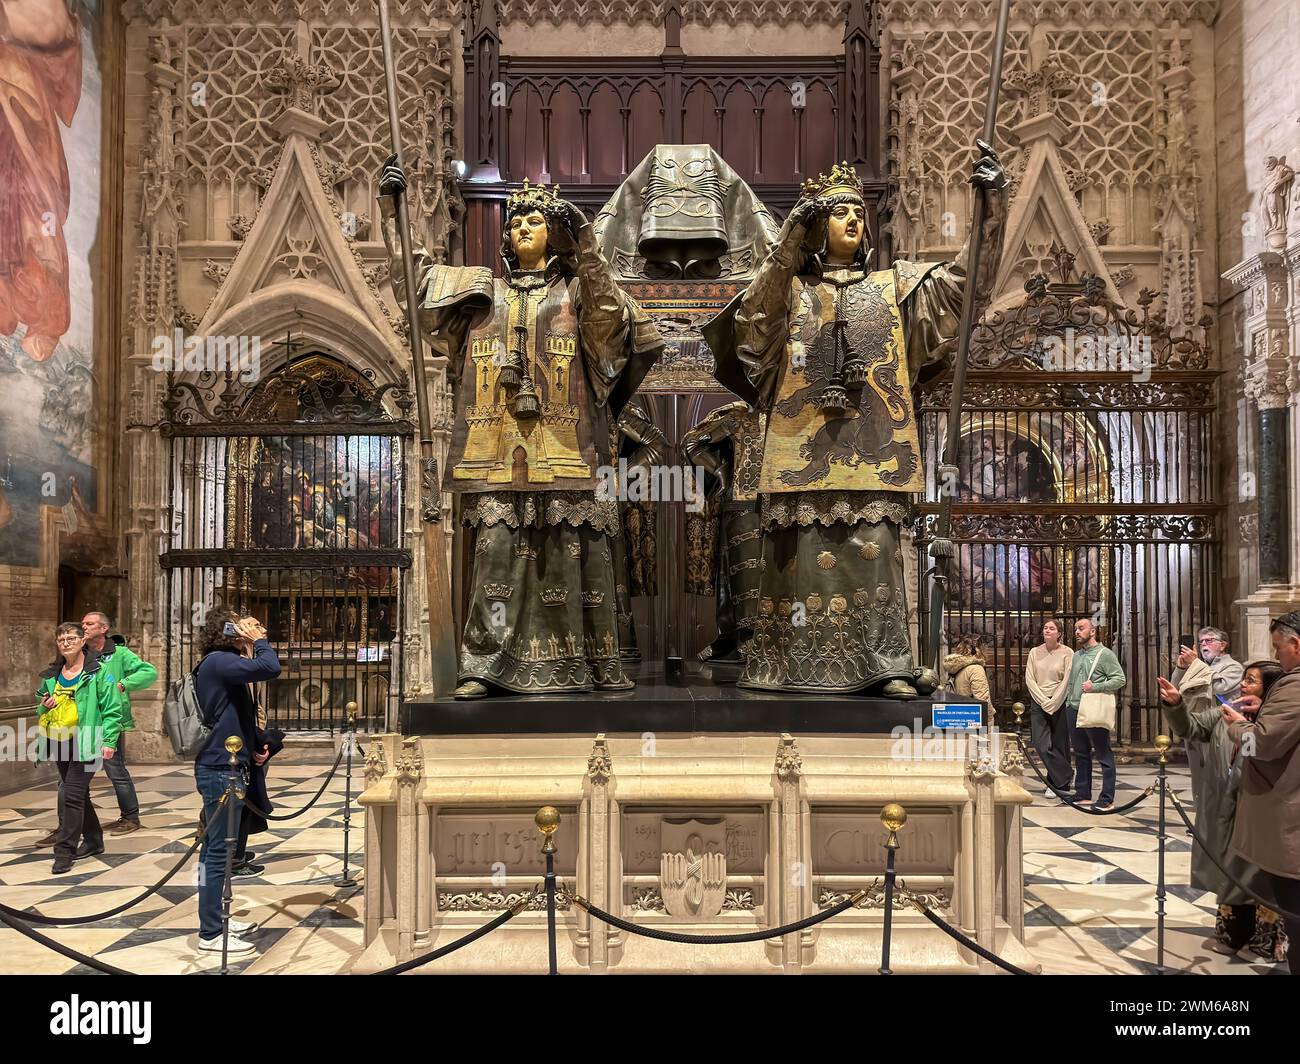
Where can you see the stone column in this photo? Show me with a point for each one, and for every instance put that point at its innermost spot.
(410, 772)
(983, 775)
(1274, 517)
(375, 887)
(792, 887)
(1267, 376)
(1011, 867)
(596, 880)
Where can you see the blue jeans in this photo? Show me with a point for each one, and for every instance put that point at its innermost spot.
(128, 804)
(211, 783)
(1086, 742)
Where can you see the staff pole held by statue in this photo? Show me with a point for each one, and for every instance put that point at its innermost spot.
(941, 548)
(442, 646)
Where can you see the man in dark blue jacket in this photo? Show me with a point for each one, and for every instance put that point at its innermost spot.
(230, 664)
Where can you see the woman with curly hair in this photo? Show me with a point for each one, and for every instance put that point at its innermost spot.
(236, 654)
(965, 668)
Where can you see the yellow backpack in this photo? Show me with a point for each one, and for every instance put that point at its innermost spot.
(61, 721)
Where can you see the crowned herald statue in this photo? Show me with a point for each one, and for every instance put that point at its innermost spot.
(541, 361)
(833, 350)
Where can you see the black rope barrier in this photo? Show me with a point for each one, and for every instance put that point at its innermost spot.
(717, 940)
(969, 943)
(464, 940)
(50, 921)
(1070, 801)
(58, 947)
(1191, 830)
(289, 816)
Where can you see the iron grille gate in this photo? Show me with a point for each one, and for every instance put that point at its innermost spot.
(1085, 488)
(288, 506)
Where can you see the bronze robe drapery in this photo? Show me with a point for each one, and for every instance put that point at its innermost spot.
(724, 542)
(640, 444)
(832, 614)
(541, 614)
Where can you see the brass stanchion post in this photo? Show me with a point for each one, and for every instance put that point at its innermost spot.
(1162, 745)
(1018, 708)
(350, 737)
(234, 810)
(893, 816)
(547, 821)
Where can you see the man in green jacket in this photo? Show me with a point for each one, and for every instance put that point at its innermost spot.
(129, 673)
(1094, 668)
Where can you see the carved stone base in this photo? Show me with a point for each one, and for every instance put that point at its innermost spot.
(1257, 612)
(792, 825)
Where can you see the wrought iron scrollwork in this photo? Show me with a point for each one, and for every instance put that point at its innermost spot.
(316, 391)
(1018, 337)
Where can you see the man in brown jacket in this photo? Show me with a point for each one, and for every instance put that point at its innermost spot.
(1268, 813)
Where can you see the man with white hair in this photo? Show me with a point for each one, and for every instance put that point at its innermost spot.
(1213, 650)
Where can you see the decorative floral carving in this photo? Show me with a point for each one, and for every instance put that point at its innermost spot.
(649, 900)
(875, 899)
(789, 765)
(483, 901)
(376, 763)
(301, 80)
(410, 763)
(599, 765)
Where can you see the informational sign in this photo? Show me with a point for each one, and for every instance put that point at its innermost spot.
(956, 714)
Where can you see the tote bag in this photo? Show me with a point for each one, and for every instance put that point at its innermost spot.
(1096, 708)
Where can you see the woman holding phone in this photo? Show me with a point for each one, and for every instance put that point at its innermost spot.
(1193, 711)
(236, 654)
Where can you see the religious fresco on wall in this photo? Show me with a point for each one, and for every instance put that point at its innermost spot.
(1004, 588)
(50, 156)
(324, 492)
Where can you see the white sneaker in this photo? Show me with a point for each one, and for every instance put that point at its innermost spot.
(243, 927)
(234, 944)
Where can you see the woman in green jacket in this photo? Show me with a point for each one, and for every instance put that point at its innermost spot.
(81, 719)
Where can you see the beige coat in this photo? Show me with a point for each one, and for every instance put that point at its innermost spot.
(968, 677)
(1046, 676)
(1267, 831)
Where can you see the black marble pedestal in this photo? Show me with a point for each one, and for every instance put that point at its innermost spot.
(692, 704)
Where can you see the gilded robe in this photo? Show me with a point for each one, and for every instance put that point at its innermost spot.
(835, 484)
(541, 615)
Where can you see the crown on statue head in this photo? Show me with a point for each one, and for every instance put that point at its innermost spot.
(842, 179)
(530, 197)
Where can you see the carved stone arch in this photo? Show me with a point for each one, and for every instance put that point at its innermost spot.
(315, 315)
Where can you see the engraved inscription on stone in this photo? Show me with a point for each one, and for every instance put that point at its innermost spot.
(740, 836)
(853, 843)
(485, 844)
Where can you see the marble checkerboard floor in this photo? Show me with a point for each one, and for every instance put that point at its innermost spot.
(308, 924)
(1089, 884)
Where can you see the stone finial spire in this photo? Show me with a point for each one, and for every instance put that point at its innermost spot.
(301, 81)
